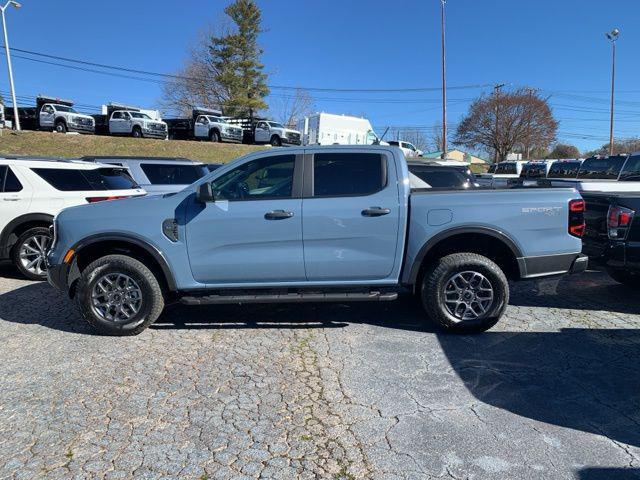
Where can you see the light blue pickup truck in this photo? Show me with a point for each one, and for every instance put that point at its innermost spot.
(313, 224)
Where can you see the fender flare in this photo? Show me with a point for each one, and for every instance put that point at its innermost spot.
(436, 239)
(140, 242)
(8, 230)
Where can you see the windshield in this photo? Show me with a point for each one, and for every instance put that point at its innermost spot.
(439, 177)
(172, 173)
(534, 170)
(605, 168)
(140, 115)
(506, 168)
(564, 170)
(64, 108)
(275, 125)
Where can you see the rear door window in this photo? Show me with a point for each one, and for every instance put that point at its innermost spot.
(506, 168)
(11, 182)
(605, 168)
(348, 174)
(442, 178)
(172, 174)
(69, 180)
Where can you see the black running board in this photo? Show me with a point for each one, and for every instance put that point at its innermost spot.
(291, 298)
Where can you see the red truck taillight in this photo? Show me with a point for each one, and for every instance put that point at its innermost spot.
(577, 224)
(618, 222)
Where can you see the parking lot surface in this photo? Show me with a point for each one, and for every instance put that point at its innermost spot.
(352, 391)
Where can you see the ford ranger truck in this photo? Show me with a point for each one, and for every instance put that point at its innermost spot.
(313, 224)
(52, 114)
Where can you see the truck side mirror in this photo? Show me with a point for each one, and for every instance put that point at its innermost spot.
(205, 193)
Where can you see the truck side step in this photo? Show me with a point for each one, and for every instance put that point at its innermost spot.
(291, 298)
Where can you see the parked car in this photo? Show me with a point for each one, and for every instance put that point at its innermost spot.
(332, 129)
(443, 177)
(612, 236)
(53, 114)
(504, 175)
(260, 130)
(34, 190)
(129, 121)
(204, 124)
(157, 174)
(615, 173)
(407, 148)
(532, 171)
(260, 229)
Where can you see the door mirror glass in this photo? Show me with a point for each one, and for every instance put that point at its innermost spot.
(205, 194)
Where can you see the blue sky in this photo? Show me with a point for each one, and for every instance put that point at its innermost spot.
(557, 46)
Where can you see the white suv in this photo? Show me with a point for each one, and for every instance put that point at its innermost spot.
(34, 190)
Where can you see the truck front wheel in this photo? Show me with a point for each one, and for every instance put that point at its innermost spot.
(61, 127)
(118, 295)
(136, 132)
(465, 293)
(275, 141)
(214, 136)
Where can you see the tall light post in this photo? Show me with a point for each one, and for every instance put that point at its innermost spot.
(444, 82)
(612, 36)
(14, 4)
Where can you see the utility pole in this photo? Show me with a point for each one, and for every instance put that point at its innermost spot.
(16, 119)
(444, 82)
(496, 92)
(612, 36)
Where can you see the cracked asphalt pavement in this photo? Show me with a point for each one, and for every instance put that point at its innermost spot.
(348, 391)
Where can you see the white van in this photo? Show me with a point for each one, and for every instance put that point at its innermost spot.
(331, 129)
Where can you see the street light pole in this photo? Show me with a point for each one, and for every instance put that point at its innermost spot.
(444, 83)
(14, 4)
(612, 36)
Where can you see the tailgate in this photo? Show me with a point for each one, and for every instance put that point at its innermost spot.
(596, 239)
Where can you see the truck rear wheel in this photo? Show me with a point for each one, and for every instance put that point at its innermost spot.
(624, 277)
(465, 293)
(118, 295)
(61, 127)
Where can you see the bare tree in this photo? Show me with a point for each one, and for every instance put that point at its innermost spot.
(624, 145)
(437, 139)
(504, 121)
(289, 109)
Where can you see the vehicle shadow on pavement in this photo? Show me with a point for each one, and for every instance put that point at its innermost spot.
(592, 290)
(404, 314)
(578, 378)
(604, 473)
(9, 271)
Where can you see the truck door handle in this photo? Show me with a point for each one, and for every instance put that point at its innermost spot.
(278, 215)
(11, 199)
(375, 212)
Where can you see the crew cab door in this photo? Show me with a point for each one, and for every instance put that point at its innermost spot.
(263, 133)
(351, 216)
(252, 232)
(47, 116)
(201, 127)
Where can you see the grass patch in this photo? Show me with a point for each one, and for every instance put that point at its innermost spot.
(69, 146)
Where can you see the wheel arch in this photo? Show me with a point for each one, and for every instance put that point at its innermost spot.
(492, 243)
(99, 245)
(19, 225)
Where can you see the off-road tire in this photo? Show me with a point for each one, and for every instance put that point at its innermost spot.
(214, 136)
(60, 127)
(275, 141)
(15, 252)
(625, 277)
(438, 275)
(136, 132)
(152, 298)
